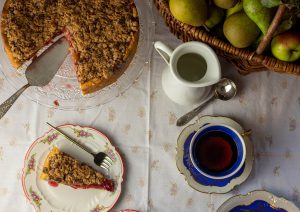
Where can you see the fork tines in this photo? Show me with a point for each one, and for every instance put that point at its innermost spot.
(106, 163)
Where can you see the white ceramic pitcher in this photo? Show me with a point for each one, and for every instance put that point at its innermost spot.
(183, 91)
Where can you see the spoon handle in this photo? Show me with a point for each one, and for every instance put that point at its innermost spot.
(190, 115)
(70, 139)
(5, 106)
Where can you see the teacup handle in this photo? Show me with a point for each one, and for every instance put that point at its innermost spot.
(164, 51)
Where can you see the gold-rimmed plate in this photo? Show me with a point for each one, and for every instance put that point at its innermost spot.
(186, 132)
(258, 201)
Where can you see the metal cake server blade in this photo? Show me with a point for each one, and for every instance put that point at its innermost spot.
(41, 71)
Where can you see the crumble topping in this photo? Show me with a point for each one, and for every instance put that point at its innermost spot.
(65, 169)
(100, 31)
(29, 25)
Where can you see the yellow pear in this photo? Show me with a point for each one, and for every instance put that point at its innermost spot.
(237, 8)
(192, 12)
(225, 4)
(240, 30)
(215, 16)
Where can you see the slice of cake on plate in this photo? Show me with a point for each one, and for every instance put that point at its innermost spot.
(61, 168)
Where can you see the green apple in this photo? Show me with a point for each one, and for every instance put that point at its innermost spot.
(286, 46)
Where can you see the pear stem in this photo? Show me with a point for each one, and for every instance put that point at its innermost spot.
(272, 28)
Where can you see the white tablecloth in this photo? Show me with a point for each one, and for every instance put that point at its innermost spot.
(141, 123)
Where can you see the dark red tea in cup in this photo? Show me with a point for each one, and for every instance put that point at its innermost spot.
(215, 151)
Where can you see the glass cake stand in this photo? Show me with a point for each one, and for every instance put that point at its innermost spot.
(63, 91)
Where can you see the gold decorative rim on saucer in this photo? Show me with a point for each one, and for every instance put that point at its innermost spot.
(246, 133)
(180, 152)
(250, 197)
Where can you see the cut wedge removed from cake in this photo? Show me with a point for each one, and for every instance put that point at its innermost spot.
(103, 35)
(61, 168)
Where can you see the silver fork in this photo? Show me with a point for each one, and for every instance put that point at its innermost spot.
(100, 159)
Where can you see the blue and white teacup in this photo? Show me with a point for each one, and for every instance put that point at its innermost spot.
(217, 151)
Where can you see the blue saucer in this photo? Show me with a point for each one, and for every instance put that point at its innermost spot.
(200, 178)
(258, 205)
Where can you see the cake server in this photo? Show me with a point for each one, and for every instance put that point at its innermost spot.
(41, 71)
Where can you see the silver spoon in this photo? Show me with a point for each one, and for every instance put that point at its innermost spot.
(224, 90)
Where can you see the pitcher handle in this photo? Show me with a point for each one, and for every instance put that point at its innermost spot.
(164, 51)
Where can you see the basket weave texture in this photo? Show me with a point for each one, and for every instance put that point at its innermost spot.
(246, 61)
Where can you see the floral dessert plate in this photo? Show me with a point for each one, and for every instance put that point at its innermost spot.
(193, 177)
(46, 197)
(257, 201)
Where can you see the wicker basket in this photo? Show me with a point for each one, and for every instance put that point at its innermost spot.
(246, 61)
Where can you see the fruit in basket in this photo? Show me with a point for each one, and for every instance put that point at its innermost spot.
(240, 30)
(286, 46)
(192, 12)
(237, 8)
(261, 15)
(288, 21)
(216, 15)
(218, 31)
(225, 4)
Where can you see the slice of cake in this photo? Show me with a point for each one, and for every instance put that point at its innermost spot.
(61, 168)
